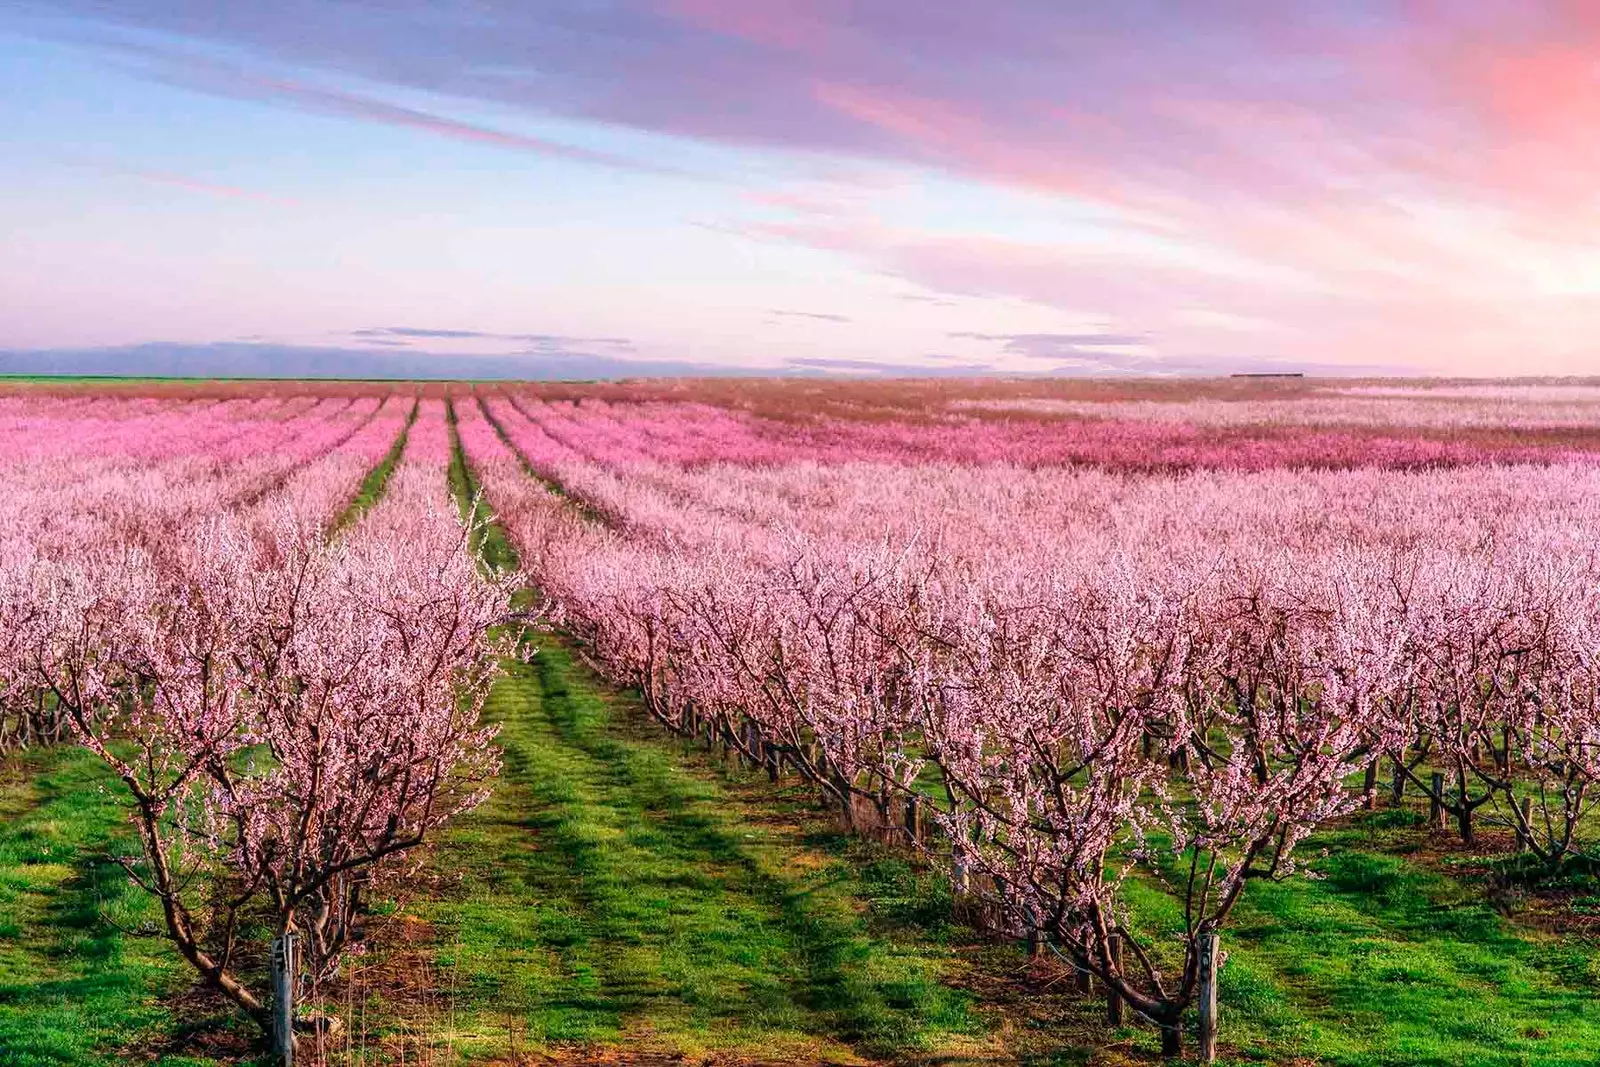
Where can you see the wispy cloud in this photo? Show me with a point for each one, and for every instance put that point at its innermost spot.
(541, 340)
(172, 180)
(821, 316)
(1028, 343)
(187, 69)
(1130, 355)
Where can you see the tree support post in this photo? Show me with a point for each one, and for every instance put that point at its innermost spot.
(1208, 996)
(1082, 980)
(1115, 1012)
(914, 818)
(283, 998)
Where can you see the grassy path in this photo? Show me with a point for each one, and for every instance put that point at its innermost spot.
(610, 893)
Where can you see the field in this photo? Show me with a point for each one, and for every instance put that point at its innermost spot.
(803, 722)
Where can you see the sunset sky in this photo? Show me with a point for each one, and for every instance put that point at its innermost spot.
(1177, 187)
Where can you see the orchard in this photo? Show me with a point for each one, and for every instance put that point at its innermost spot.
(1106, 670)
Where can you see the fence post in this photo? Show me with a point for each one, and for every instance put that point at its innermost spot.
(1082, 980)
(914, 817)
(1114, 1009)
(283, 998)
(1208, 996)
(1436, 801)
(1035, 938)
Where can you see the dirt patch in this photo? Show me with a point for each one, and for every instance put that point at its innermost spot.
(602, 1057)
(211, 1027)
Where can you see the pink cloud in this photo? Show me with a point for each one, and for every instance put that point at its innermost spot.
(1417, 177)
(789, 25)
(185, 182)
(210, 188)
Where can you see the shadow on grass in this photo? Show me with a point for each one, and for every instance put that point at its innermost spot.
(608, 894)
(76, 987)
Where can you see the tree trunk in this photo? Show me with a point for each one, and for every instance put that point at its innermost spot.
(1171, 1038)
(177, 920)
(1114, 1009)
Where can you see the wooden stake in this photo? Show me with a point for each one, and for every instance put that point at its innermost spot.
(1208, 997)
(914, 817)
(283, 998)
(1114, 1007)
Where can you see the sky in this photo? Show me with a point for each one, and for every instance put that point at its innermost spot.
(807, 186)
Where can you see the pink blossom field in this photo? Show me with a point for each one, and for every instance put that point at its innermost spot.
(1121, 667)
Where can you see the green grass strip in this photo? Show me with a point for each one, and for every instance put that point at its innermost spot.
(377, 479)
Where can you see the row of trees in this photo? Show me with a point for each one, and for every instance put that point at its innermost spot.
(288, 715)
(138, 473)
(1183, 713)
(1198, 732)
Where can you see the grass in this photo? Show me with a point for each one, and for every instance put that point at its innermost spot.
(489, 540)
(621, 891)
(84, 969)
(674, 908)
(1384, 961)
(1379, 959)
(377, 479)
(609, 892)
